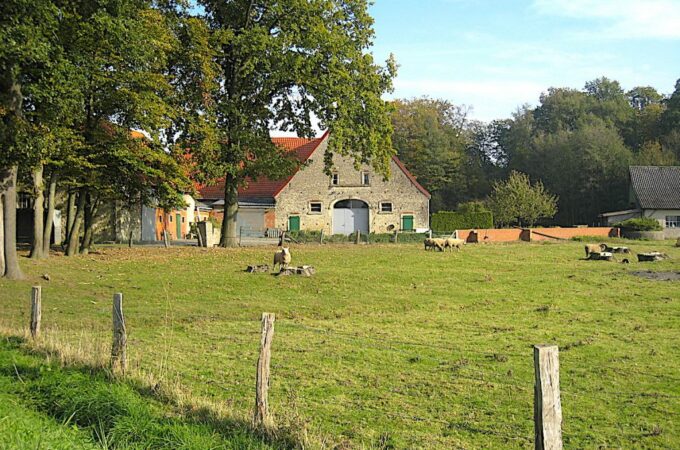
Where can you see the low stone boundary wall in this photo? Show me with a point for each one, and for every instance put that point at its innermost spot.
(533, 234)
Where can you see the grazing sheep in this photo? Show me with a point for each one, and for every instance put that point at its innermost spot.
(439, 244)
(594, 248)
(429, 244)
(282, 258)
(452, 242)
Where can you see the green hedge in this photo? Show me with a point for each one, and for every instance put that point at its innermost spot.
(447, 221)
(312, 237)
(641, 224)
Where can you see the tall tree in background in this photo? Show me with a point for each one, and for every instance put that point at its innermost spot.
(281, 63)
(430, 138)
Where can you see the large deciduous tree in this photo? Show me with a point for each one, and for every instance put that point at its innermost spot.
(284, 64)
(430, 138)
(26, 50)
(121, 49)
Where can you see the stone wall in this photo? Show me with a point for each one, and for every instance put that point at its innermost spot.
(311, 184)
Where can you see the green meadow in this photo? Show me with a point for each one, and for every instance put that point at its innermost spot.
(386, 346)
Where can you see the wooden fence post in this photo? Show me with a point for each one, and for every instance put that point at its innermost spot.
(119, 345)
(262, 418)
(321, 237)
(396, 236)
(358, 237)
(547, 403)
(36, 313)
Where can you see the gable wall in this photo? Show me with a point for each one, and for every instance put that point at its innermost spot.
(311, 184)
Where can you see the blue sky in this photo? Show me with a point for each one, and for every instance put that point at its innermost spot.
(495, 55)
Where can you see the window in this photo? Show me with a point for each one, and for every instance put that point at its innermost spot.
(672, 221)
(315, 207)
(385, 207)
(24, 201)
(365, 178)
(182, 219)
(170, 218)
(160, 219)
(335, 179)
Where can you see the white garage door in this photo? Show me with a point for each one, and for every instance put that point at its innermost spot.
(252, 219)
(350, 216)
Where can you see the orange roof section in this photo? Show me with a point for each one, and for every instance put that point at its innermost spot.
(265, 188)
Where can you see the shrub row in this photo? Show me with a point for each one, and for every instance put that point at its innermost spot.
(641, 224)
(308, 237)
(447, 221)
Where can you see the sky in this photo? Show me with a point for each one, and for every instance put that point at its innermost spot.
(495, 55)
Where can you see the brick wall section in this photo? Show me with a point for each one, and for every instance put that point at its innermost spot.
(568, 233)
(311, 184)
(516, 234)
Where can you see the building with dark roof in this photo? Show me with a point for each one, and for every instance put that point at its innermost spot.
(655, 193)
(350, 199)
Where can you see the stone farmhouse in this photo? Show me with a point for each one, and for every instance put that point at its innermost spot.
(349, 200)
(655, 193)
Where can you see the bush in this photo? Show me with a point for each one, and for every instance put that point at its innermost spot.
(447, 221)
(641, 224)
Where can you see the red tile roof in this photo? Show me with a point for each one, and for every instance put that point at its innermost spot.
(265, 188)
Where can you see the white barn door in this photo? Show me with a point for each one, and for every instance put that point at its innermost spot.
(350, 216)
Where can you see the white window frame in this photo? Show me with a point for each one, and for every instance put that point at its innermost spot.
(672, 221)
(386, 203)
(365, 178)
(311, 210)
(335, 179)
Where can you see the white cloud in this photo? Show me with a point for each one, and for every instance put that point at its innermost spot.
(622, 19)
(490, 100)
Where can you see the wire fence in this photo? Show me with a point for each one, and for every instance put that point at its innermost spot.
(465, 366)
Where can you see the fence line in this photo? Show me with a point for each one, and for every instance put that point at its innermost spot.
(546, 388)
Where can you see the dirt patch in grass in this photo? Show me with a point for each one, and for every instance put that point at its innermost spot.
(658, 276)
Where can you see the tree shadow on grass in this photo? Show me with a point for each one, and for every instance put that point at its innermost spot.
(123, 413)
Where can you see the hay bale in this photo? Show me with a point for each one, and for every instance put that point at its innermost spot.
(601, 256)
(651, 256)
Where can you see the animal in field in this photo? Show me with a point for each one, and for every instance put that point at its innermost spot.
(452, 243)
(282, 258)
(439, 244)
(429, 244)
(594, 248)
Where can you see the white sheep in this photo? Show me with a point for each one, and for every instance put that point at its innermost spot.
(439, 244)
(594, 248)
(282, 258)
(450, 243)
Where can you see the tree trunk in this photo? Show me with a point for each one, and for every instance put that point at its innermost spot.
(70, 216)
(2, 236)
(38, 213)
(229, 234)
(90, 214)
(8, 181)
(49, 217)
(72, 247)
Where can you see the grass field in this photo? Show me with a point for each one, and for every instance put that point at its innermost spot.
(387, 346)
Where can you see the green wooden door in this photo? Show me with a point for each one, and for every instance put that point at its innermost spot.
(407, 223)
(294, 223)
(178, 219)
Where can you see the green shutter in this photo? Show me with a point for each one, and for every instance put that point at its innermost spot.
(294, 223)
(407, 223)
